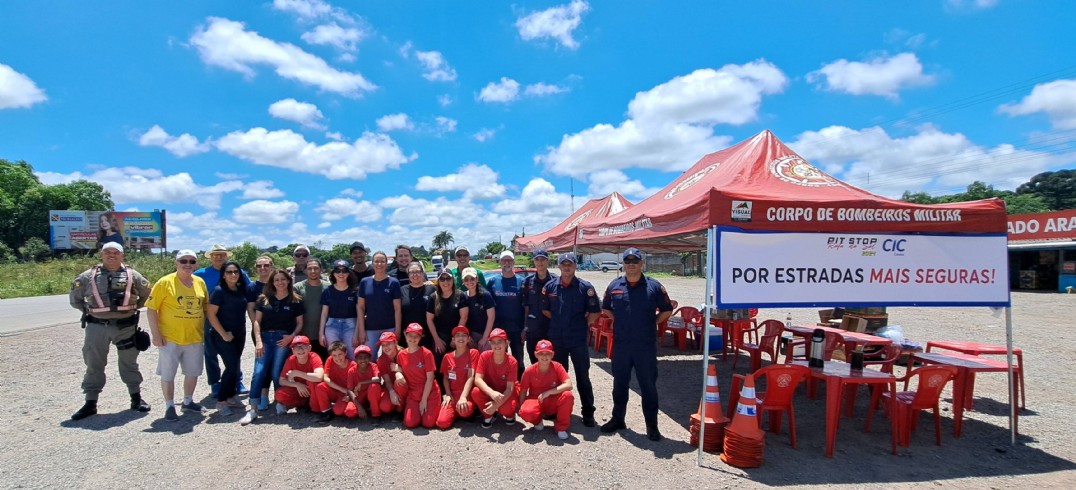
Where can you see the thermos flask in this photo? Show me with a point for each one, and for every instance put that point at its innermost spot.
(818, 341)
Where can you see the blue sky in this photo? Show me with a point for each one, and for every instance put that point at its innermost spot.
(326, 122)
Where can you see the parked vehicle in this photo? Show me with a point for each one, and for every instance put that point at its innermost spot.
(438, 263)
(610, 265)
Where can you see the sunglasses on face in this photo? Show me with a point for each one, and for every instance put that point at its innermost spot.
(232, 272)
(632, 261)
(301, 255)
(463, 255)
(444, 279)
(416, 272)
(340, 271)
(187, 261)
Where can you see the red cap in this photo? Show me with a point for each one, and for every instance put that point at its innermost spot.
(543, 346)
(414, 328)
(387, 337)
(498, 333)
(365, 349)
(299, 339)
(460, 329)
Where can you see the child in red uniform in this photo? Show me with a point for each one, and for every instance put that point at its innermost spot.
(395, 386)
(301, 373)
(417, 366)
(546, 390)
(365, 386)
(334, 391)
(496, 388)
(457, 370)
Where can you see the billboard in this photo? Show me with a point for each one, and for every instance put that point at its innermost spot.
(88, 230)
(858, 269)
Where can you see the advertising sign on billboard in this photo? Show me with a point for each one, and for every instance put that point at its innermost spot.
(89, 230)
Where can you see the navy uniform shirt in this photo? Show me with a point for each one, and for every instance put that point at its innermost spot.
(506, 294)
(635, 309)
(569, 306)
(532, 300)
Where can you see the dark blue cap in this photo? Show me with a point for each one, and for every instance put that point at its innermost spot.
(632, 251)
(540, 253)
(568, 257)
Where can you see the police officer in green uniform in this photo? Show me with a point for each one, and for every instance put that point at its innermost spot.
(109, 295)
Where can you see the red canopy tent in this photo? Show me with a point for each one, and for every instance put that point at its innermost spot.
(563, 236)
(761, 184)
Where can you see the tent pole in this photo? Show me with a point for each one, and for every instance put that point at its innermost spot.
(1012, 379)
(705, 333)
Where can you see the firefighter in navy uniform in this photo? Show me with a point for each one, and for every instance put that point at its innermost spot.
(571, 305)
(109, 295)
(636, 304)
(537, 324)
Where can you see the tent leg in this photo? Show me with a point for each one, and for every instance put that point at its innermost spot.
(705, 333)
(1012, 379)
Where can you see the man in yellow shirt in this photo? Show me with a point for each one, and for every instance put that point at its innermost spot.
(176, 308)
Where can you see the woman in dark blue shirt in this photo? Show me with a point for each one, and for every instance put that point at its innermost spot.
(379, 305)
(339, 307)
(480, 309)
(227, 312)
(278, 317)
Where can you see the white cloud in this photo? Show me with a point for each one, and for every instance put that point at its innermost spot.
(605, 182)
(261, 189)
(539, 201)
(334, 135)
(878, 76)
(18, 90)
(227, 44)
(371, 153)
(507, 90)
(541, 88)
(968, 5)
(303, 113)
(1057, 99)
(475, 181)
(905, 39)
(230, 176)
(304, 9)
(410, 212)
(351, 192)
(445, 124)
(134, 185)
(670, 125)
(485, 134)
(345, 39)
(929, 160)
(324, 224)
(339, 207)
(556, 23)
(445, 100)
(265, 212)
(392, 122)
(437, 69)
(181, 146)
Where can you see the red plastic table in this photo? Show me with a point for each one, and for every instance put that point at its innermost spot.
(837, 376)
(964, 383)
(852, 340)
(980, 348)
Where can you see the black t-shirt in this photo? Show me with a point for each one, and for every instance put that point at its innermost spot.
(232, 309)
(279, 315)
(449, 317)
(413, 303)
(369, 272)
(478, 311)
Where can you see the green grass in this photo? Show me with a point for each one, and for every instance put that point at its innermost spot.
(54, 276)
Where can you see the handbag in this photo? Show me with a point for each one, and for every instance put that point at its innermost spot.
(142, 340)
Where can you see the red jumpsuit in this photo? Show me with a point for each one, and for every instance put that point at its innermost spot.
(455, 370)
(535, 383)
(497, 377)
(289, 396)
(416, 367)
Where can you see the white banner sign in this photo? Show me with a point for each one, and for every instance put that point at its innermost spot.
(847, 269)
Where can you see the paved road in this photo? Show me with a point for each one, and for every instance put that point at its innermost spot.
(22, 314)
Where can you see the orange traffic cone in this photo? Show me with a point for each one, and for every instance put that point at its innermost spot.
(744, 440)
(710, 411)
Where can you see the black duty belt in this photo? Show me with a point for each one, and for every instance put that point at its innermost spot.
(120, 322)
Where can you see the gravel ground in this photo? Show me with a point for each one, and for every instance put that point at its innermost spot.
(118, 447)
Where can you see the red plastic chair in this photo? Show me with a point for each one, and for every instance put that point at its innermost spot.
(780, 381)
(771, 332)
(663, 327)
(689, 318)
(931, 380)
(594, 329)
(605, 331)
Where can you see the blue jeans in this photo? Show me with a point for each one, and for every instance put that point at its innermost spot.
(342, 329)
(267, 367)
(372, 336)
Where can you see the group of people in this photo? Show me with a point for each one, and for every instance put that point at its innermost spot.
(369, 340)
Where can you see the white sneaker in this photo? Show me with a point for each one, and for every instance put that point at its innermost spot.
(281, 409)
(248, 418)
(540, 425)
(562, 435)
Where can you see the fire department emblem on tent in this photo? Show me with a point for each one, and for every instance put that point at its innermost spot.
(795, 170)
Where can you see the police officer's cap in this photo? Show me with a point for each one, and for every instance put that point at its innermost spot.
(568, 257)
(633, 252)
(357, 245)
(541, 252)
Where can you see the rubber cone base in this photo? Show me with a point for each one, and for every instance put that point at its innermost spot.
(715, 434)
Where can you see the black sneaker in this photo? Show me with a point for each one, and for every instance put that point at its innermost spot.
(653, 434)
(170, 414)
(487, 423)
(326, 417)
(90, 408)
(613, 426)
(138, 404)
(588, 421)
(193, 407)
(377, 420)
